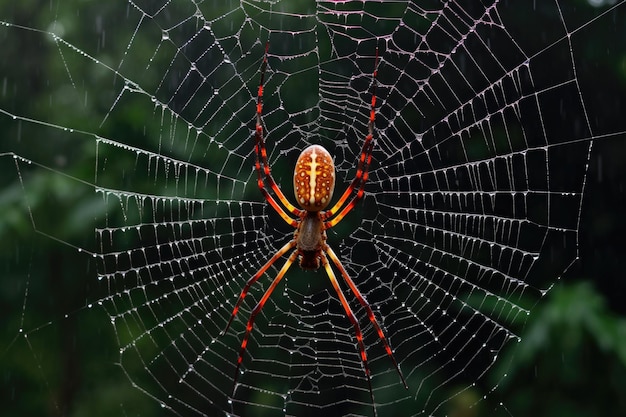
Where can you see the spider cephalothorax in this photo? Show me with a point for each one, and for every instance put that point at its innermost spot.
(310, 239)
(314, 183)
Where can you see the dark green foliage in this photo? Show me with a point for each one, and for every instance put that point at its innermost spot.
(572, 358)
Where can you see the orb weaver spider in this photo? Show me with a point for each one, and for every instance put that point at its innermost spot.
(314, 183)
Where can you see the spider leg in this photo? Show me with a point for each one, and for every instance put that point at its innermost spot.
(365, 159)
(357, 183)
(257, 310)
(254, 279)
(365, 304)
(268, 196)
(262, 165)
(353, 320)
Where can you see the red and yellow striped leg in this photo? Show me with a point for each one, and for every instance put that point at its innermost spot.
(358, 183)
(363, 166)
(359, 180)
(262, 166)
(257, 310)
(280, 195)
(365, 304)
(353, 320)
(255, 278)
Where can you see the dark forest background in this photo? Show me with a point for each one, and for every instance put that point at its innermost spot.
(571, 362)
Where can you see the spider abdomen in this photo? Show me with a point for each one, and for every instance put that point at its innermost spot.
(314, 178)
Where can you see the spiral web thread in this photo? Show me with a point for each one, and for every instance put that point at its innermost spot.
(468, 218)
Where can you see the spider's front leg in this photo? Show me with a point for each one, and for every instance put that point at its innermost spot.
(262, 165)
(362, 171)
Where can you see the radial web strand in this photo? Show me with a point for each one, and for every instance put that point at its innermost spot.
(469, 215)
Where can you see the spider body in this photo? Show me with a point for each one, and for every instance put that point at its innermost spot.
(314, 178)
(314, 183)
(313, 186)
(310, 239)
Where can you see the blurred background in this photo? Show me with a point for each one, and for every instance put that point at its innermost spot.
(58, 355)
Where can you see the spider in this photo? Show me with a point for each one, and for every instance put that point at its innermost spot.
(314, 183)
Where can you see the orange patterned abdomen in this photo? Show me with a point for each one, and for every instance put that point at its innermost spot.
(314, 178)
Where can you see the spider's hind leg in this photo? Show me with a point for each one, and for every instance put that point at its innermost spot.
(291, 244)
(257, 310)
(370, 313)
(355, 324)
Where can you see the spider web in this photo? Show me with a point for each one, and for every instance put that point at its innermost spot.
(469, 217)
